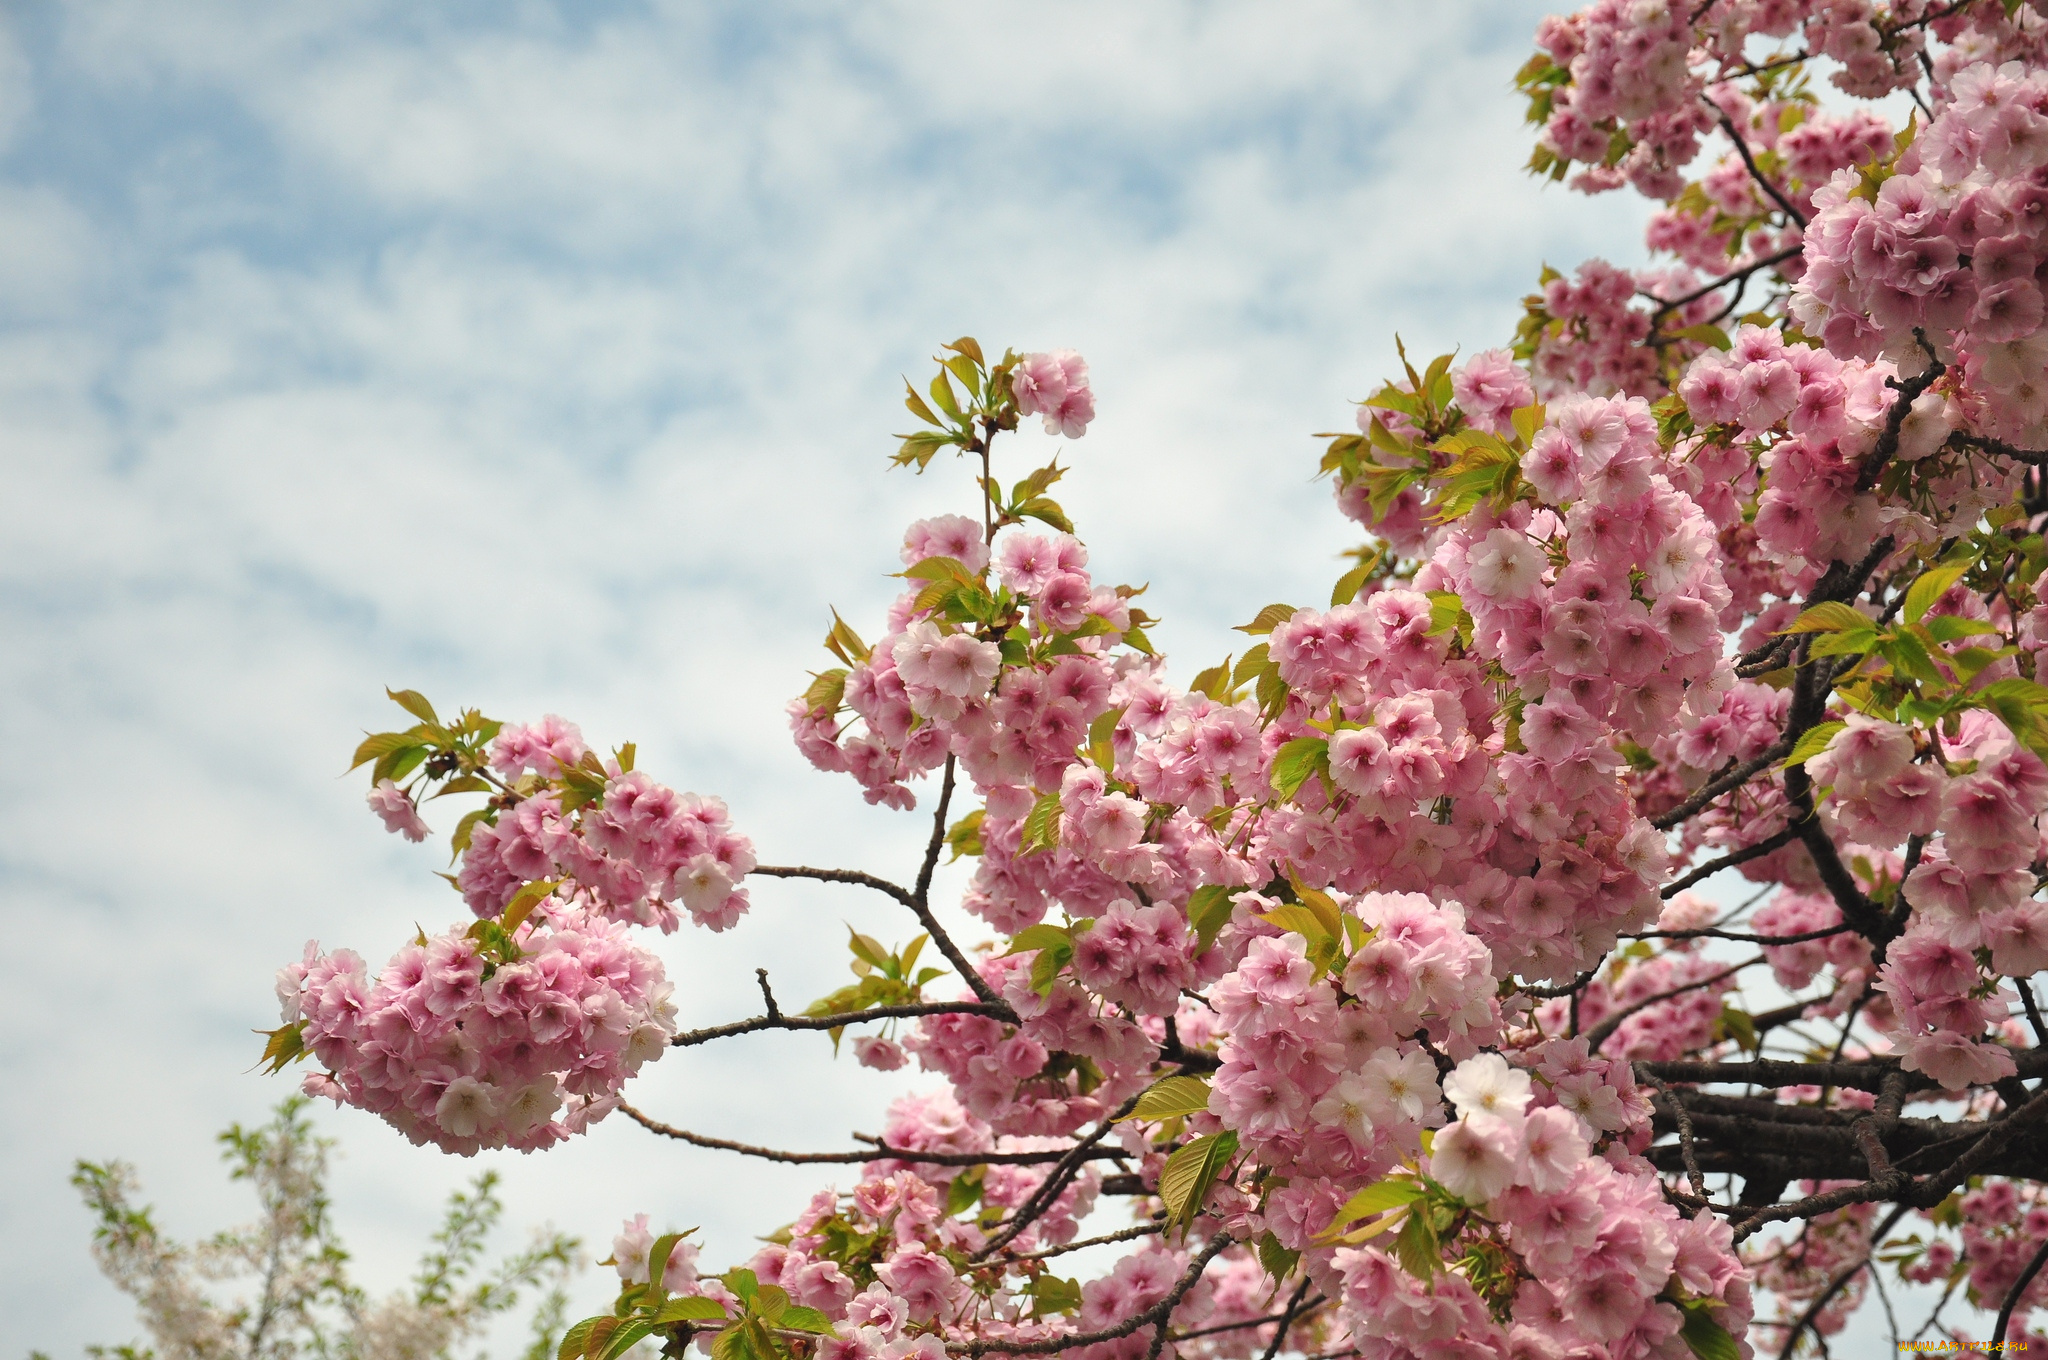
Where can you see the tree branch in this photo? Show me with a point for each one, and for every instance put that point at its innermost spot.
(1049, 1189)
(1158, 1312)
(881, 1151)
(2012, 1297)
(1763, 181)
(1836, 1285)
(691, 1038)
(1714, 788)
(1728, 861)
(1603, 1031)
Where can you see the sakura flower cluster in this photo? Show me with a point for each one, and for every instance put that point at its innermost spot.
(638, 853)
(456, 1049)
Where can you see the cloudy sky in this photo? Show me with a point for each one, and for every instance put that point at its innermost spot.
(543, 357)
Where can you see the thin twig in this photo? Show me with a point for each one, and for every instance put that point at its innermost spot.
(1049, 1189)
(1124, 1235)
(1157, 1312)
(1729, 861)
(1764, 181)
(2019, 1287)
(1836, 1285)
(1714, 788)
(1294, 1307)
(1603, 1031)
(690, 1038)
(879, 1152)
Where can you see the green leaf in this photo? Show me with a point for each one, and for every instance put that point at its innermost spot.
(828, 689)
(1297, 918)
(657, 1264)
(1171, 1096)
(1296, 761)
(1909, 657)
(1849, 642)
(2018, 691)
(1050, 1295)
(1185, 1180)
(1045, 969)
(964, 836)
(1101, 733)
(1376, 1198)
(1709, 1339)
(1041, 936)
(1272, 692)
(797, 1318)
(1950, 627)
(1416, 1248)
(601, 1330)
(917, 406)
(399, 762)
(1037, 482)
(1446, 613)
(1214, 681)
(730, 1344)
(1055, 947)
(1041, 825)
(939, 569)
(1932, 585)
(1811, 743)
(1351, 582)
(1271, 617)
(942, 393)
(1829, 616)
(524, 901)
(1739, 1025)
(415, 703)
(1321, 903)
(867, 949)
(625, 1338)
(460, 840)
(1250, 664)
(382, 744)
(285, 1045)
(963, 1192)
(967, 371)
(1279, 1261)
(573, 1339)
(467, 783)
(844, 643)
(1209, 909)
(1705, 334)
(691, 1310)
(1046, 509)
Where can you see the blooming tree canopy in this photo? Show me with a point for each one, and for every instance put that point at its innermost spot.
(1366, 965)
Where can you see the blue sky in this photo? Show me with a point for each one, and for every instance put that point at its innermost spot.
(543, 358)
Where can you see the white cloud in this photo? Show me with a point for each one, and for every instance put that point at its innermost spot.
(548, 364)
